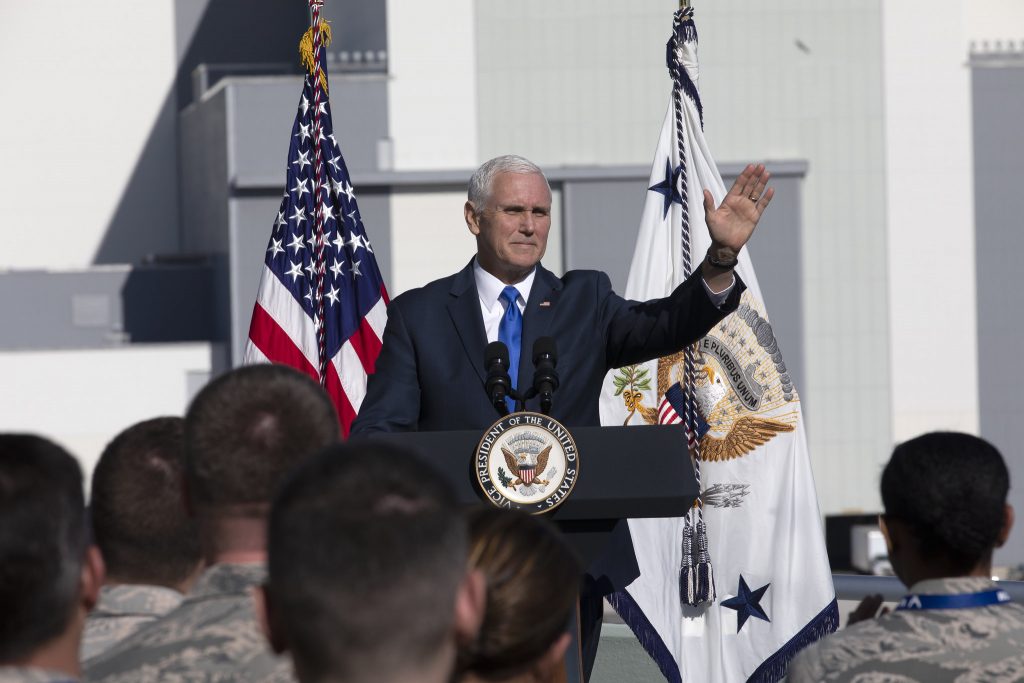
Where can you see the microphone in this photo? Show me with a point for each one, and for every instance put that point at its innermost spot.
(498, 383)
(545, 379)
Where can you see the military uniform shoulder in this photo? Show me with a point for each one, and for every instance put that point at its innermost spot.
(17, 674)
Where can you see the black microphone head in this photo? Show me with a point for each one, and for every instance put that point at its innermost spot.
(496, 351)
(544, 346)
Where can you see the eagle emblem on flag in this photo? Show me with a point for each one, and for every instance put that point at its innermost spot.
(743, 393)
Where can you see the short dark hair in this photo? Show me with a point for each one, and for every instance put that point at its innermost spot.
(950, 490)
(42, 542)
(533, 580)
(367, 549)
(247, 428)
(139, 519)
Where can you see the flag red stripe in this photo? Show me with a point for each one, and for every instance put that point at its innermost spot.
(275, 344)
(367, 345)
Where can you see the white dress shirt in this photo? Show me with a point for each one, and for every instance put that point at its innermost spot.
(492, 306)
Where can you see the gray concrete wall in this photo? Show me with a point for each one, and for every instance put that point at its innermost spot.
(103, 307)
(998, 109)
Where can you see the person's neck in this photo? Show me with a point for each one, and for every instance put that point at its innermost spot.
(925, 571)
(438, 670)
(527, 677)
(181, 586)
(60, 654)
(233, 539)
(505, 276)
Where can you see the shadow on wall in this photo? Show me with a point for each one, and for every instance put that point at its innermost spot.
(245, 33)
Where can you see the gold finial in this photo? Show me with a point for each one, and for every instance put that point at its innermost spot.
(684, 4)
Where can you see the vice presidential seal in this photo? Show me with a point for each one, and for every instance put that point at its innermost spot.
(527, 461)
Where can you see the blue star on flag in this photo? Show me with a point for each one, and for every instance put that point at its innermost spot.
(669, 187)
(747, 603)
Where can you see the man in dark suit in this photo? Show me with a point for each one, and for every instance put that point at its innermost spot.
(430, 374)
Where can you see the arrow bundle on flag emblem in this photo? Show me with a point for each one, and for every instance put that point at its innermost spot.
(737, 602)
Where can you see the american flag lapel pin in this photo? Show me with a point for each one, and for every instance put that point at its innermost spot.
(544, 304)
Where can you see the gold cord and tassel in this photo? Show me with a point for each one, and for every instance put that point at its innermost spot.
(306, 50)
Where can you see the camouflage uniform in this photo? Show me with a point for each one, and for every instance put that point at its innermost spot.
(969, 645)
(123, 610)
(16, 674)
(212, 636)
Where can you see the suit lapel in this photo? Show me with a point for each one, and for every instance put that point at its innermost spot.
(537, 320)
(464, 309)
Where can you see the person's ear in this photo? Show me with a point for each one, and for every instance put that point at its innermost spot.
(471, 219)
(1004, 533)
(551, 665)
(263, 606)
(470, 605)
(94, 573)
(885, 533)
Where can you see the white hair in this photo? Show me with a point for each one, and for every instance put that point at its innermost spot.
(483, 178)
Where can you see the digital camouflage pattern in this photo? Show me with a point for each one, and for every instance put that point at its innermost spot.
(121, 611)
(16, 674)
(972, 645)
(213, 636)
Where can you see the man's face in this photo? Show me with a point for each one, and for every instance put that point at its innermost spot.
(512, 228)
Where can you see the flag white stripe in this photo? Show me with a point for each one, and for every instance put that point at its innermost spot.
(377, 317)
(281, 306)
(352, 374)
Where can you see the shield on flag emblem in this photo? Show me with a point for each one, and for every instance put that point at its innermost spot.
(527, 471)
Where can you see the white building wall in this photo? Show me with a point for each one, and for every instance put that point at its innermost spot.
(804, 80)
(83, 84)
(930, 206)
(82, 399)
(432, 89)
(574, 81)
(994, 20)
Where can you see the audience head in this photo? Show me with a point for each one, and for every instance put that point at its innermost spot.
(944, 495)
(532, 579)
(49, 577)
(245, 430)
(139, 519)
(367, 568)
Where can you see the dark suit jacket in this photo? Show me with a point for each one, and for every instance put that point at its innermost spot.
(430, 373)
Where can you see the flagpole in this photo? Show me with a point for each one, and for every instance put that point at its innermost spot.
(319, 90)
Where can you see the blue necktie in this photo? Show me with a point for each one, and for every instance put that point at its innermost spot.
(510, 333)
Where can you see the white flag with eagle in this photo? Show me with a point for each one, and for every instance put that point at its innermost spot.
(773, 584)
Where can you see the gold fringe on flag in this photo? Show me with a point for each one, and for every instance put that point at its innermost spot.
(306, 49)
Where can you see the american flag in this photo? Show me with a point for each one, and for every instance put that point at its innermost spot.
(322, 303)
(671, 409)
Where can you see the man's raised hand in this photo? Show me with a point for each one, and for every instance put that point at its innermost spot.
(733, 222)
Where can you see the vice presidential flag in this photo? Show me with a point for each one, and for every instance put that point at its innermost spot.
(774, 592)
(321, 305)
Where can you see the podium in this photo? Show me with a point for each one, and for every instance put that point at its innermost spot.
(624, 472)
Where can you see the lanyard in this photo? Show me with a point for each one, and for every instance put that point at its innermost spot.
(960, 601)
